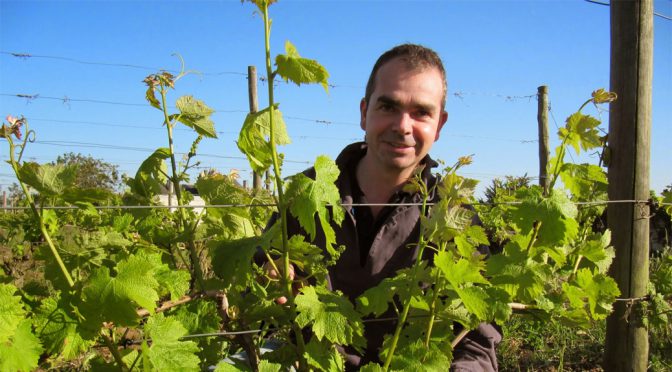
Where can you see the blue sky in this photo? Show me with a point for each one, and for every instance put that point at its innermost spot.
(496, 54)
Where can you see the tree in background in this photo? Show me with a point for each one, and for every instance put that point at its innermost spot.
(505, 188)
(92, 172)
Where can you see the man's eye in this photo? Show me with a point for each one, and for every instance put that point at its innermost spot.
(386, 107)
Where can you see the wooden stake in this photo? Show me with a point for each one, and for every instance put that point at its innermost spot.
(542, 120)
(254, 107)
(627, 346)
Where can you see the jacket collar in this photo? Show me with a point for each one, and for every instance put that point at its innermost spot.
(347, 162)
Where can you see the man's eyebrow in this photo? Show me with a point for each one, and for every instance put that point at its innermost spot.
(388, 100)
(426, 106)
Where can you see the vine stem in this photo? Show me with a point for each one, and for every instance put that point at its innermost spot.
(282, 206)
(407, 304)
(195, 261)
(114, 351)
(561, 155)
(182, 300)
(432, 308)
(37, 214)
(535, 234)
(459, 337)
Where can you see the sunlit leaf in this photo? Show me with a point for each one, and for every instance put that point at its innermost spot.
(308, 197)
(292, 66)
(195, 114)
(254, 139)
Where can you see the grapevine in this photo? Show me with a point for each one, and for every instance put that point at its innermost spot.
(161, 289)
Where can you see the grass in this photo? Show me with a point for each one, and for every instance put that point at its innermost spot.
(533, 345)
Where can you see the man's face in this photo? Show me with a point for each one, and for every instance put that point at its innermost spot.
(403, 117)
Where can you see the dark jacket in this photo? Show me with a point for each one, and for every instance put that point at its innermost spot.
(388, 253)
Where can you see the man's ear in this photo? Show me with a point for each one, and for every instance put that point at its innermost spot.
(362, 113)
(442, 120)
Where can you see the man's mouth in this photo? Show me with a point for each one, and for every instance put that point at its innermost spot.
(400, 145)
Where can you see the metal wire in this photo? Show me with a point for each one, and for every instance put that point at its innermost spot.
(253, 205)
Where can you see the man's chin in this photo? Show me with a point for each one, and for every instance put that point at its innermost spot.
(401, 165)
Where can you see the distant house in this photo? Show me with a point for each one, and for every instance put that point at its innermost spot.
(196, 202)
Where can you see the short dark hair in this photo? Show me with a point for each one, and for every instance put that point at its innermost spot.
(416, 57)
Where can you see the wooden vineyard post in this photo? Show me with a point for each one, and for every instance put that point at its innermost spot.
(542, 120)
(254, 107)
(627, 346)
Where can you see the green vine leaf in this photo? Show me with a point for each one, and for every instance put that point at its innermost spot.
(324, 356)
(151, 175)
(330, 315)
(231, 259)
(254, 138)
(292, 66)
(195, 114)
(512, 271)
(266, 366)
(459, 272)
(469, 240)
(118, 297)
(598, 251)
(583, 180)
(167, 352)
(417, 357)
(308, 197)
(11, 311)
(232, 222)
(22, 351)
(598, 290)
(556, 213)
(173, 282)
(667, 198)
(446, 221)
(48, 179)
(61, 331)
(581, 132)
(376, 300)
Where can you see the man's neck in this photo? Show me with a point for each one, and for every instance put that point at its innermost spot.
(377, 184)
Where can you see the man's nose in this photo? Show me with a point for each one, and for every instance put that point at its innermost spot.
(403, 123)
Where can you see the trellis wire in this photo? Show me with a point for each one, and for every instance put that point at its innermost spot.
(253, 205)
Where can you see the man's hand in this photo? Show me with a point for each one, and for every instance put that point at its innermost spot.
(272, 273)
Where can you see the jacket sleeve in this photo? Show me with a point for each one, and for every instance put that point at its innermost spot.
(476, 351)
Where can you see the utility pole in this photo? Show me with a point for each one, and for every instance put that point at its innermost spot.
(627, 345)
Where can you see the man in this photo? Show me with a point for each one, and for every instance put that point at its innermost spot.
(402, 115)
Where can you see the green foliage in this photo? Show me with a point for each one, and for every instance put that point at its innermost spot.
(11, 311)
(92, 172)
(48, 180)
(60, 329)
(581, 132)
(254, 140)
(330, 315)
(195, 114)
(133, 285)
(417, 357)
(19, 348)
(292, 66)
(593, 289)
(22, 351)
(556, 215)
(151, 175)
(126, 264)
(308, 197)
(324, 356)
(167, 352)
